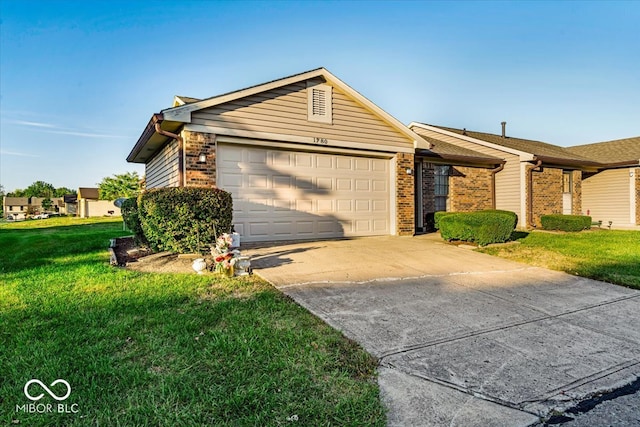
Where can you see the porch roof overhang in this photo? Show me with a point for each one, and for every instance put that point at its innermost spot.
(585, 165)
(151, 141)
(459, 160)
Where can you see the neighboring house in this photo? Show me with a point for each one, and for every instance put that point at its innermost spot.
(613, 193)
(21, 206)
(89, 205)
(304, 157)
(535, 178)
(15, 206)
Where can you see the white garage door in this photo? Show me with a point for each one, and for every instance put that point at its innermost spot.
(283, 195)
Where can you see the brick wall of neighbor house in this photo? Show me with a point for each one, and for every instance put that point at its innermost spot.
(576, 207)
(199, 174)
(405, 212)
(470, 189)
(547, 193)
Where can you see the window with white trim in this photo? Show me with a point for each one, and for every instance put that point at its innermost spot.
(319, 103)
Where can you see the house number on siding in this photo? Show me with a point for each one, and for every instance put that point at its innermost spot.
(323, 141)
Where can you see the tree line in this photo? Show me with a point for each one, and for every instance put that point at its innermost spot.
(110, 188)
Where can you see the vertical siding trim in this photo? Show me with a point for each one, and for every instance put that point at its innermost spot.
(632, 196)
(524, 195)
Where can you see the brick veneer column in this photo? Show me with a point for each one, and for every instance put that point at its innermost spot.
(576, 200)
(405, 201)
(200, 174)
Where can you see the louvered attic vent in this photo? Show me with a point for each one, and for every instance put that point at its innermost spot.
(319, 103)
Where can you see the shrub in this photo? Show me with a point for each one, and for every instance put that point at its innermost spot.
(483, 227)
(185, 220)
(131, 218)
(565, 222)
(437, 216)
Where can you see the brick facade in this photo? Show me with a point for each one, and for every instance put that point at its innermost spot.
(470, 189)
(199, 174)
(576, 208)
(405, 211)
(548, 193)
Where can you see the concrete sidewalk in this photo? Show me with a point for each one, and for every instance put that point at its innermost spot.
(464, 338)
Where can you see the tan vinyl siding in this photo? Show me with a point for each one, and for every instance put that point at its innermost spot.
(507, 181)
(606, 196)
(162, 169)
(284, 111)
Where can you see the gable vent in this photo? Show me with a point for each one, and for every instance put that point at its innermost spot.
(319, 103)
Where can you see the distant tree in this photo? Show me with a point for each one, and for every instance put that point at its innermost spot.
(2, 193)
(16, 193)
(39, 189)
(47, 203)
(123, 185)
(63, 191)
(31, 210)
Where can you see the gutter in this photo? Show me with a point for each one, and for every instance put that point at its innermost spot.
(158, 119)
(493, 172)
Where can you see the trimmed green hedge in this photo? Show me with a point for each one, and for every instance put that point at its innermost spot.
(566, 222)
(483, 227)
(131, 218)
(185, 220)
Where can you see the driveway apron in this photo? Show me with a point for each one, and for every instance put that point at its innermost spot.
(464, 338)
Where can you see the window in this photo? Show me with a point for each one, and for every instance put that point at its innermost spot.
(10, 208)
(567, 182)
(319, 103)
(441, 175)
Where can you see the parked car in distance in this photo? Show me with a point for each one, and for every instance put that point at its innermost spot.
(41, 216)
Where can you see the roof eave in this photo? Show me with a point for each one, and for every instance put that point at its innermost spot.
(461, 160)
(579, 164)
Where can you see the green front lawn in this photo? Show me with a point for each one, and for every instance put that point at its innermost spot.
(609, 255)
(162, 349)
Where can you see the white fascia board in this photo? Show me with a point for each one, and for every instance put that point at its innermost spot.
(524, 156)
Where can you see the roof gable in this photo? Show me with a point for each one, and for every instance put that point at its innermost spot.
(182, 113)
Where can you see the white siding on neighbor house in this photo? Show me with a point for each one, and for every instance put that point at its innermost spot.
(92, 208)
(285, 111)
(508, 192)
(606, 196)
(162, 169)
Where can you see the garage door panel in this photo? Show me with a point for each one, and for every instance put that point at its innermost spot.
(283, 195)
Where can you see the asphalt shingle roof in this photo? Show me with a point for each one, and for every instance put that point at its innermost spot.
(608, 152)
(444, 150)
(537, 148)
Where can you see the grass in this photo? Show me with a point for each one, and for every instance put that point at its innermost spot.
(163, 349)
(609, 255)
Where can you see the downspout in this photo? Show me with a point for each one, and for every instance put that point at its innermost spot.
(181, 171)
(530, 195)
(493, 184)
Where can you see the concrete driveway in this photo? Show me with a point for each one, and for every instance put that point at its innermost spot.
(463, 338)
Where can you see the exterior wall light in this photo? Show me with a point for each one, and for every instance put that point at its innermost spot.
(202, 158)
(409, 171)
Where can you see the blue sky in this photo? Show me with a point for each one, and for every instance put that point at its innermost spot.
(80, 80)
